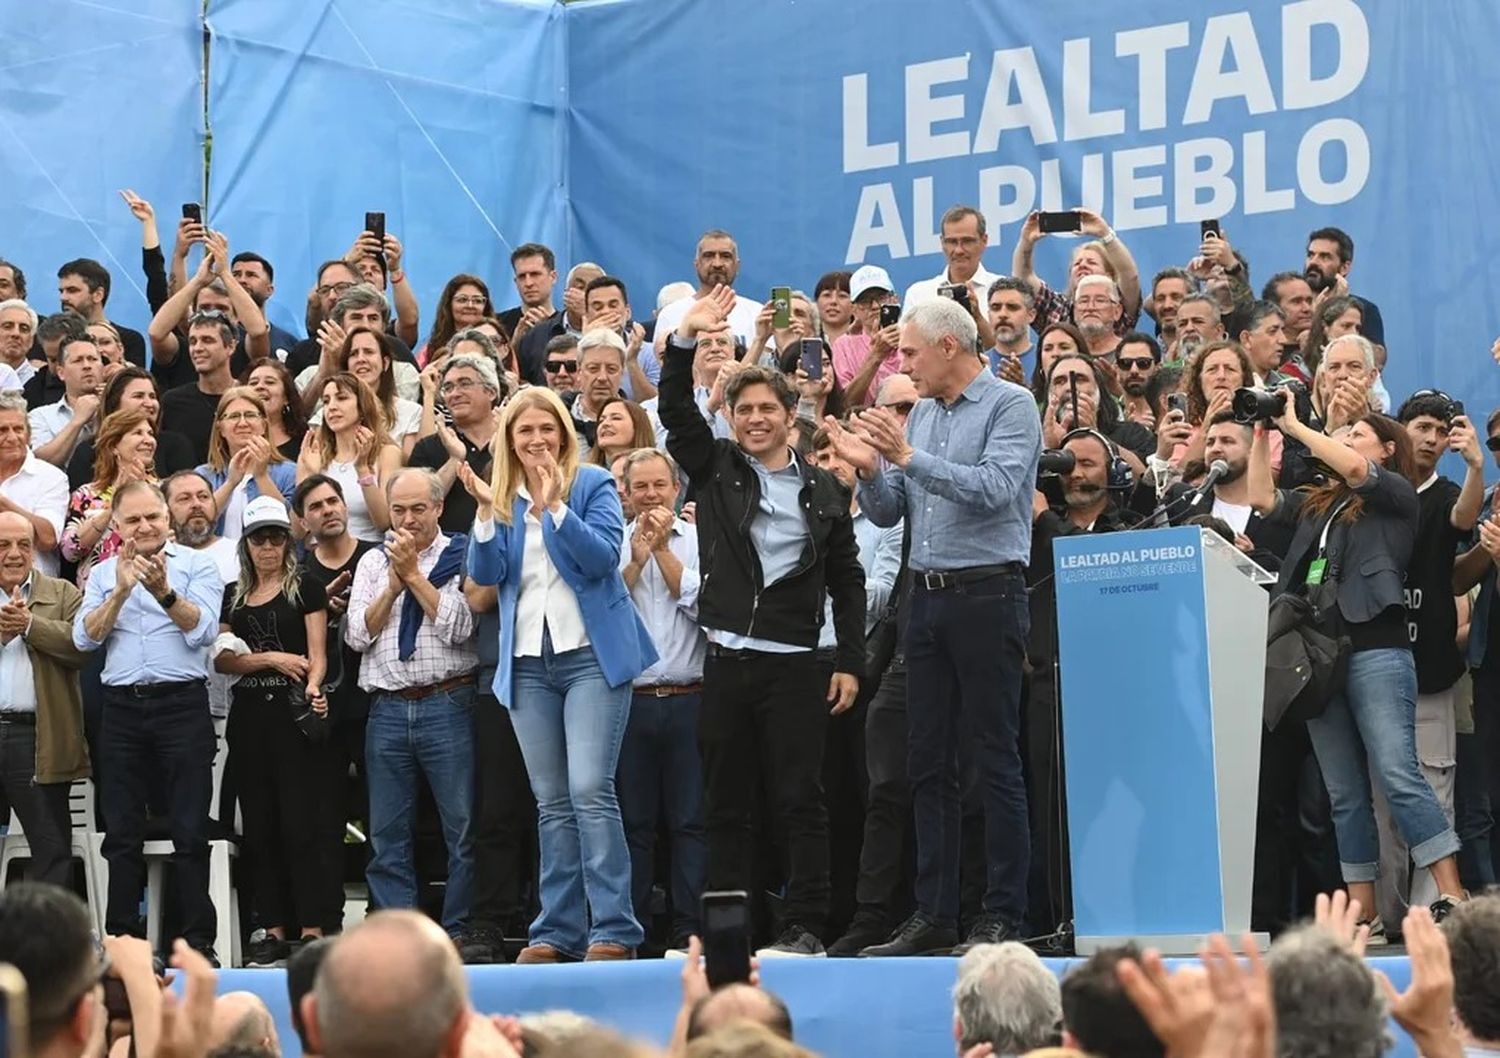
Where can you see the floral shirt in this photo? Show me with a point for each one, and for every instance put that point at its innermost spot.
(84, 504)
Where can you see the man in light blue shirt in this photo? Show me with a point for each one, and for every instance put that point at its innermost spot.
(154, 608)
(962, 471)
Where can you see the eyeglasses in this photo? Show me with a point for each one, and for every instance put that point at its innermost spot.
(457, 385)
(240, 416)
(569, 366)
(268, 537)
(468, 299)
(1493, 444)
(901, 407)
(333, 288)
(1135, 363)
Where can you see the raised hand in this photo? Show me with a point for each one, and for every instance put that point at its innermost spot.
(851, 448)
(1425, 1009)
(1338, 916)
(452, 443)
(708, 312)
(549, 481)
(1464, 439)
(476, 486)
(139, 207)
(330, 339)
(882, 429)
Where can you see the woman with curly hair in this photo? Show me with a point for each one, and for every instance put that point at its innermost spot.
(464, 302)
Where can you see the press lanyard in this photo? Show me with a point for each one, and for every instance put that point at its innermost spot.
(1318, 568)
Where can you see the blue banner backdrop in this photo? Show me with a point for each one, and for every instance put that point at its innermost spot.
(94, 99)
(444, 114)
(823, 135)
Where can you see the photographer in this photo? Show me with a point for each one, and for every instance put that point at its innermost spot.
(1356, 532)
(1077, 398)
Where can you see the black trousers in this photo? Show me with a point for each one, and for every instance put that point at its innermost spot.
(504, 821)
(169, 735)
(42, 808)
(1049, 886)
(883, 890)
(763, 725)
(288, 789)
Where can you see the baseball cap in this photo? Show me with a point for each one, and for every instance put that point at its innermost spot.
(266, 512)
(867, 278)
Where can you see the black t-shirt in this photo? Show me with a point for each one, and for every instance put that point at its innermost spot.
(173, 453)
(277, 625)
(191, 413)
(343, 663)
(459, 508)
(43, 388)
(1432, 617)
(133, 344)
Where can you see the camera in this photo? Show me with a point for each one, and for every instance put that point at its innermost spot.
(1055, 461)
(1262, 405)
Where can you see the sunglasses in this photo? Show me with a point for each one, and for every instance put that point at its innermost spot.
(1493, 444)
(264, 537)
(556, 366)
(1135, 363)
(901, 407)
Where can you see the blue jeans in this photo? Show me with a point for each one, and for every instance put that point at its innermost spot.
(1376, 715)
(433, 736)
(661, 771)
(570, 724)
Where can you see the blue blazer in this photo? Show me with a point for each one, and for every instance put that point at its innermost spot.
(283, 474)
(586, 551)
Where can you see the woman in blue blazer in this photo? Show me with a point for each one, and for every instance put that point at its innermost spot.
(242, 461)
(549, 533)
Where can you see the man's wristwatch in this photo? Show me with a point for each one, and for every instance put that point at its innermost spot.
(168, 600)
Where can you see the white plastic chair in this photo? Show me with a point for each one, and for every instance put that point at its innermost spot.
(86, 847)
(221, 888)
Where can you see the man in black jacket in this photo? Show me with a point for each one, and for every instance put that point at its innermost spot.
(774, 534)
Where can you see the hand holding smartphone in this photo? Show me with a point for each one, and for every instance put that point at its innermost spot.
(812, 358)
(1057, 223)
(890, 315)
(781, 304)
(726, 937)
(375, 225)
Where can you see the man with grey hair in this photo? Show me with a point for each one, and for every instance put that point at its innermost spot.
(1348, 366)
(391, 987)
(1005, 997)
(35, 490)
(243, 1026)
(1096, 309)
(1327, 1001)
(659, 759)
(1473, 933)
(470, 387)
(360, 305)
(18, 322)
(601, 371)
(961, 470)
(409, 618)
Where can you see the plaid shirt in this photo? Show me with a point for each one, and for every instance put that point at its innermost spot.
(445, 647)
(1055, 307)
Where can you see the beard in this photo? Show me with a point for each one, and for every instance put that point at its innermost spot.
(1317, 280)
(1134, 387)
(1093, 329)
(1084, 494)
(1005, 334)
(194, 533)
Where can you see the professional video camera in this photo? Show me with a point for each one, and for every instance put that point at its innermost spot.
(1055, 461)
(1253, 404)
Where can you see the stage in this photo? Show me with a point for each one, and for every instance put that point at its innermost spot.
(841, 1008)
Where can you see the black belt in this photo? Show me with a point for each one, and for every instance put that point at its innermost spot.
(735, 654)
(943, 579)
(154, 690)
(16, 716)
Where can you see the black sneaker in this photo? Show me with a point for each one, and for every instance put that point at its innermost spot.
(794, 943)
(918, 935)
(864, 931)
(480, 945)
(987, 929)
(266, 950)
(1443, 906)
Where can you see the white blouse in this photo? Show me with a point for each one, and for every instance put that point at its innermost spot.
(545, 600)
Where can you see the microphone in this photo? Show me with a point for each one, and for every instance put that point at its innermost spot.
(1217, 470)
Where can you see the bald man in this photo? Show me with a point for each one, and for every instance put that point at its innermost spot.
(42, 749)
(392, 987)
(243, 1024)
(735, 1003)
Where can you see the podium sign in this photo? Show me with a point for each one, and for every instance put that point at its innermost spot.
(1161, 651)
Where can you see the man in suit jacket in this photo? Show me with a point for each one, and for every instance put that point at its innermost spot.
(42, 748)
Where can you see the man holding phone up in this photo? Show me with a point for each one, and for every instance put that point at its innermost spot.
(963, 470)
(865, 358)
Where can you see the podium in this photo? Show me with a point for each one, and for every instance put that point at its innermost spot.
(1161, 652)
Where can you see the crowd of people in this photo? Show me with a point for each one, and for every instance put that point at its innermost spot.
(741, 596)
(394, 987)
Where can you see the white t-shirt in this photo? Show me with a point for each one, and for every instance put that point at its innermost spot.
(741, 318)
(226, 556)
(1236, 515)
(234, 511)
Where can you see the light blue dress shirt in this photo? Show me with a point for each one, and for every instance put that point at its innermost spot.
(968, 486)
(146, 646)
(880, 557)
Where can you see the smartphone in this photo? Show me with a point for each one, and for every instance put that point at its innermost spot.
(1177, 402)
(726, 937)
(116, 999)
(13, 1033)
(1455, 409)
(193, 212)
(1073, 397)
(1067, 220)
(959, 292)
(812, 358)
(1207, 228)
(890, 315)
(375, 225)
(781, 301)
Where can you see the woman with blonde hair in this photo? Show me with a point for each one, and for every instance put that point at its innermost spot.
(548, 535)
(351, 446)
(125, 450)
(243, 463)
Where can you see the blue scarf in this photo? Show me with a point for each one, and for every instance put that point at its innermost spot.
(448, 566)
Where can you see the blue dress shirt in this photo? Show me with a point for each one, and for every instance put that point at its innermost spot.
(968, 486)
(146, 646)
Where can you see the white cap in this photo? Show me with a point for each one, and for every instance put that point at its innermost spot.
(867, 278)
(266, 512)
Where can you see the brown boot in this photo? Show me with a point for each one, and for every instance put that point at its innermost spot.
(609, 953)
(539, 953)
